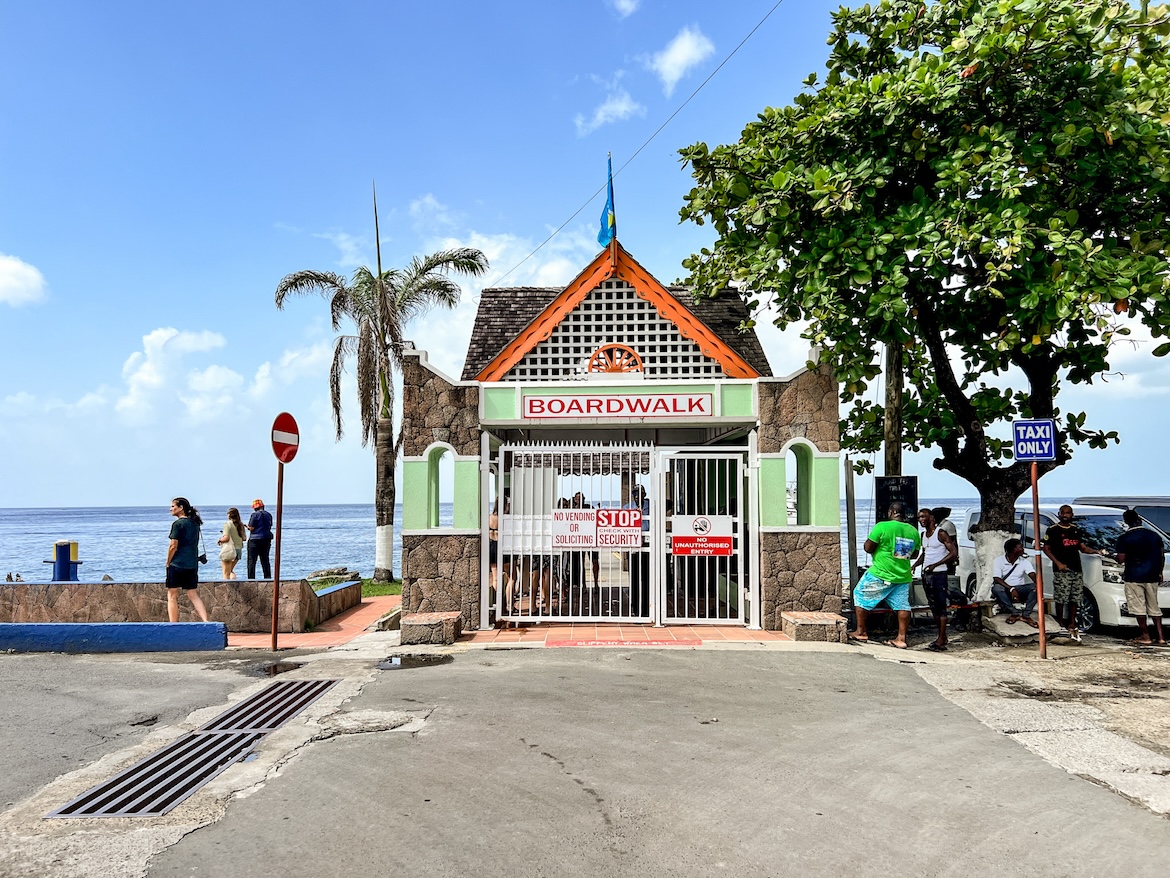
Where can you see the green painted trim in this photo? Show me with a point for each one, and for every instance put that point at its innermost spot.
(466, 494)
(414, 494)
(500, 403)
(773, 487)
(737, 401)
(826, 492)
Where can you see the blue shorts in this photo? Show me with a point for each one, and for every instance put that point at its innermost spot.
(871, 591)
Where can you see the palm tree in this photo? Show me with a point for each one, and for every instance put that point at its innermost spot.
(379, 307)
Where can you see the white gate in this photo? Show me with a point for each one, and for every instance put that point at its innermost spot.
(592, 532)
(705, 537)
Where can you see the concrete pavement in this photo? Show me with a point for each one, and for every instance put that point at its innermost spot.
(606, 761)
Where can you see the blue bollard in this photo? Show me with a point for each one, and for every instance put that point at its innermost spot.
(65, 561)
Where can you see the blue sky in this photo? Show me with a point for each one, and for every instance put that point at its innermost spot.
(162, 166)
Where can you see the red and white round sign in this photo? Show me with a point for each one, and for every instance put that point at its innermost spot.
(286, 437)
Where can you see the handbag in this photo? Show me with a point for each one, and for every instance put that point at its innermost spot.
(203, 554)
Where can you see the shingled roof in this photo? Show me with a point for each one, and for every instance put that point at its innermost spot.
(505, 312)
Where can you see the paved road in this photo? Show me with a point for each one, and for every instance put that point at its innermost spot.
(609, 762)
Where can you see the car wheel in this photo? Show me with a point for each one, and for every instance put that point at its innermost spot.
(972, 584)
(1087, 617)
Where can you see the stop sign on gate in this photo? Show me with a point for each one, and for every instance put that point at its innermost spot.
(286, 438)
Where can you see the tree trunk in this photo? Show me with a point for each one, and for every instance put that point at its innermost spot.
(384, 499)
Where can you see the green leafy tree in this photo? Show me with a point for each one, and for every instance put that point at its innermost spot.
(985, 185)
(378, 307)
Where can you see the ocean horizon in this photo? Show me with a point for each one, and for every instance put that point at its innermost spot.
(129, 543)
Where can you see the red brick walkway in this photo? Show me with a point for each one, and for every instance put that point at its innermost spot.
(342, 628)
(346, 626)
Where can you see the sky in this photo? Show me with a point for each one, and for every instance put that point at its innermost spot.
(163, 166)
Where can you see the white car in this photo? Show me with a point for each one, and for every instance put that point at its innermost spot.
(1104, 602)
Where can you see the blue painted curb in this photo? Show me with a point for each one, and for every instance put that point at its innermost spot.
(112, 636)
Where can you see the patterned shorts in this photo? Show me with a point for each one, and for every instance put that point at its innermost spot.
(871, 591)
(1068, 586)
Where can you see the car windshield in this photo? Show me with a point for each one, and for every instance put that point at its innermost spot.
(1102, 531)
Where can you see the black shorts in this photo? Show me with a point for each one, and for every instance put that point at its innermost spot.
(178, 577)
(493, 551)
(935, 586)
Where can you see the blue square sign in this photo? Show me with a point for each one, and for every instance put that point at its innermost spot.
(1034, 440)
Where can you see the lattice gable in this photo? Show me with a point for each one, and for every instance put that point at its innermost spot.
(613, 312)
(617, 265)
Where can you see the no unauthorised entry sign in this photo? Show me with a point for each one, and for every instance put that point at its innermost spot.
(1034, 439)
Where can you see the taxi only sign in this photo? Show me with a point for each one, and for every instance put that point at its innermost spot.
(1034, 439)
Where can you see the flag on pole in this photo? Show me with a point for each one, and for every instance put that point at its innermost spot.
(608, 220)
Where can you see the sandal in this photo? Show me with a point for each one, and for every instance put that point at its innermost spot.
(1028, 620)
(937, 647)
(1012, 620)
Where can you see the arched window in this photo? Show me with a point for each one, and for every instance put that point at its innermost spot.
(440, 476)
(798, 465)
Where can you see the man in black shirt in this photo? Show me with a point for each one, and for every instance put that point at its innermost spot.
(1140, 549)
(1063, 544)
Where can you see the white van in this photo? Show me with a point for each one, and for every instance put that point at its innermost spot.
(1104, 602)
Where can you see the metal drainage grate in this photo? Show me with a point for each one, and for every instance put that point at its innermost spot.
(270, 708)
(162, 780)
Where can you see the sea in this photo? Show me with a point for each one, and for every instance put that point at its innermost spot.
(129, 543)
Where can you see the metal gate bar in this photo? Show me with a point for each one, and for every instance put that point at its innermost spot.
(559, 558)
(705, 489)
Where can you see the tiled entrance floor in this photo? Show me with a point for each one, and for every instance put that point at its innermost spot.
(589, 634)
(344, 627)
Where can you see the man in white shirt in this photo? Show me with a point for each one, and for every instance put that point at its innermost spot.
(1015, 580)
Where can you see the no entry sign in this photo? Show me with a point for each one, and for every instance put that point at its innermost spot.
(286, 437)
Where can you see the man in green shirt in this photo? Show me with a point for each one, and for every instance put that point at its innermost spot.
(893, 545)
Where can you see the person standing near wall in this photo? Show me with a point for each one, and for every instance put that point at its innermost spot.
(259, 539)
(892, 543)
(1140, 549)
(183, 558)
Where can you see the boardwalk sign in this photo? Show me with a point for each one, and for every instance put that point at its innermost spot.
(1034, 439)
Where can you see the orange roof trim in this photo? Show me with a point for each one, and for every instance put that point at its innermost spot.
(621, 265)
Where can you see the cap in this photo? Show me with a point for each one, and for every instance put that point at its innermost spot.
(257, 503)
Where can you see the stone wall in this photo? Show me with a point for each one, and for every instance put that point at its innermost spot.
(440, 574)
(435, 410)
(799, 570)
(805, 407)
(243, 605)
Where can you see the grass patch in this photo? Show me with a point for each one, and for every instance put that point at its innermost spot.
(370, 589)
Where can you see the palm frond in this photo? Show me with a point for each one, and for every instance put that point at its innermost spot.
(303, 283)
(369, 391)
(343, 347)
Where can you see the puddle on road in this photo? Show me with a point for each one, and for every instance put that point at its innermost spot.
(274, 668)
(395, 662)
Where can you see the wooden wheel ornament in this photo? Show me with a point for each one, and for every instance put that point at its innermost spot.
(615, 358)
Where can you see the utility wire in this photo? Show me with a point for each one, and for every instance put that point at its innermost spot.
(645, 144)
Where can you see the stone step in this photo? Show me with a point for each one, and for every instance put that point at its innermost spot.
(822, 627)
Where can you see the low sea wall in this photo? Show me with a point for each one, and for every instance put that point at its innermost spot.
(244, 605)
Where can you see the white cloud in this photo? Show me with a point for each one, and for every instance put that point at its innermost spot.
(685, 51)
(20, 283)
(152, 374)
(353, 247)
(429, 214)
(625, 8)
(617, 106)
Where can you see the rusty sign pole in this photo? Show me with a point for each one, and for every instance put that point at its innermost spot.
(276, 550)
(286, 439)
(1034, 439)
(1039, 560)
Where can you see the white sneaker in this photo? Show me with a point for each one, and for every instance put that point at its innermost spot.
(1075, 634)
